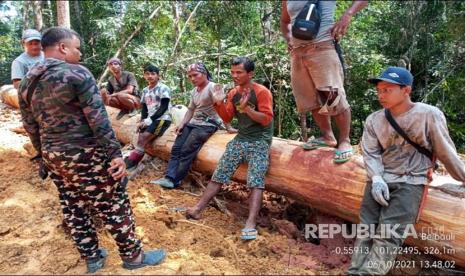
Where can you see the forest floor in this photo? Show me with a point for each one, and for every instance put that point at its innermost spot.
(33, 241)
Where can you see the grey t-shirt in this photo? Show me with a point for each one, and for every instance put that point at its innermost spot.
(327, 9)
(21, 65)
(202, 104)
(388, 155)
(152, 98)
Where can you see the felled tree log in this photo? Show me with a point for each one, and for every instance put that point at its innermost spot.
(9, 95)
(312, 177)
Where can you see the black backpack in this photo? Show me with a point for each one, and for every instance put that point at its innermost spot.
(307, 22)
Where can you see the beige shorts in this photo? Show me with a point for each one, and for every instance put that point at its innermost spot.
(316, 66)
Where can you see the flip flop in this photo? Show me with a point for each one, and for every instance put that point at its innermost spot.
(248, 234)
(178, 209)
(338, 153)
(315, 144)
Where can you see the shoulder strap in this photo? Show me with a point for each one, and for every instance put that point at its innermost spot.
(399, 130)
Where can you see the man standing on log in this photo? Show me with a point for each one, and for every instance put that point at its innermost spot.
(252, 104)
(121, 91)
(317, 75)
(155, 118)
(63, 114)
(398, 168)
(32, 54)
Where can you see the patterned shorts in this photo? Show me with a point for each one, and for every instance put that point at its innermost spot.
(256, 154)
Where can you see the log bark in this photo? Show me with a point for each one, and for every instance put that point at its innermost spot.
(312, 178)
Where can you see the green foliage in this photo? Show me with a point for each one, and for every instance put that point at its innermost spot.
(426, 36)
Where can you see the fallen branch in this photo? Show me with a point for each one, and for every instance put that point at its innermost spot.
(219, 204)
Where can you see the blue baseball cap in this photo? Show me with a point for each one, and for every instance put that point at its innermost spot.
(396, 75)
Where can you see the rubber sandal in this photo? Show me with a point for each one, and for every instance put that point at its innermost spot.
(337, 156)
(153, 257)
(165, 183)
(315, 144)
(248, 234)
(94, 264)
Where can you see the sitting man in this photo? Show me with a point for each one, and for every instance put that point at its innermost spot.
(199, 123)
(155, 117)
(252, 104)
(121, 90)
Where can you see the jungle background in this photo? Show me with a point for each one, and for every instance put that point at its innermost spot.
(427, 37)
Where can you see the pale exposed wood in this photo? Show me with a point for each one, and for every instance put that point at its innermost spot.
(312, 177)
(9, 95)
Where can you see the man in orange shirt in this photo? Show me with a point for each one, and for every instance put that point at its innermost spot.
(252, 105)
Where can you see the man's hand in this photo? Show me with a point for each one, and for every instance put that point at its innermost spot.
(380, 190)
(244, 100)
(117, 168)
(178, 129)
(218, 93)
(340, 28)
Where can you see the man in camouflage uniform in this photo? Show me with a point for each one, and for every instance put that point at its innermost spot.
(65, 118)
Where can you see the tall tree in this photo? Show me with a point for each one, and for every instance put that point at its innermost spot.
(63, 14)
(26, 6)
(37, 9)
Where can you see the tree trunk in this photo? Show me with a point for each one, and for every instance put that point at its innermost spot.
(63, 19)
(38, 21)
(312, 178)
(26, 6)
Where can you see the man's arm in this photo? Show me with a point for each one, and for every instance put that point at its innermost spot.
(444, 148)
(131, 87)
(372, 151)
(225, 109)
(264, 115)
(340, 28)
(17, 73)
(284, 23)
(16, 83)
(96, 114)
(29, 123)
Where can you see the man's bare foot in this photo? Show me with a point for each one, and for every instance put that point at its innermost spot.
(346, 149)
(320, 143)
(192, 213)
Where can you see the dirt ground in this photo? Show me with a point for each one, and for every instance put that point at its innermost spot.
(33, 241)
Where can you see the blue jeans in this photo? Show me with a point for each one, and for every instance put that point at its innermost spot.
(186, 147)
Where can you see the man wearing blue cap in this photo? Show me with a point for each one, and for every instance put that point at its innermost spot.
(398, 168)
(32, 54)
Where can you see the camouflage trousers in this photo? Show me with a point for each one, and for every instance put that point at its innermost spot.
(85, 190)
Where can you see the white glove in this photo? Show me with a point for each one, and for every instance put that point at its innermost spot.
(147, 121)
(380, 190)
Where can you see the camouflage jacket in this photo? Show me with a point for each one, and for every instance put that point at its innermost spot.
(66, 110)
